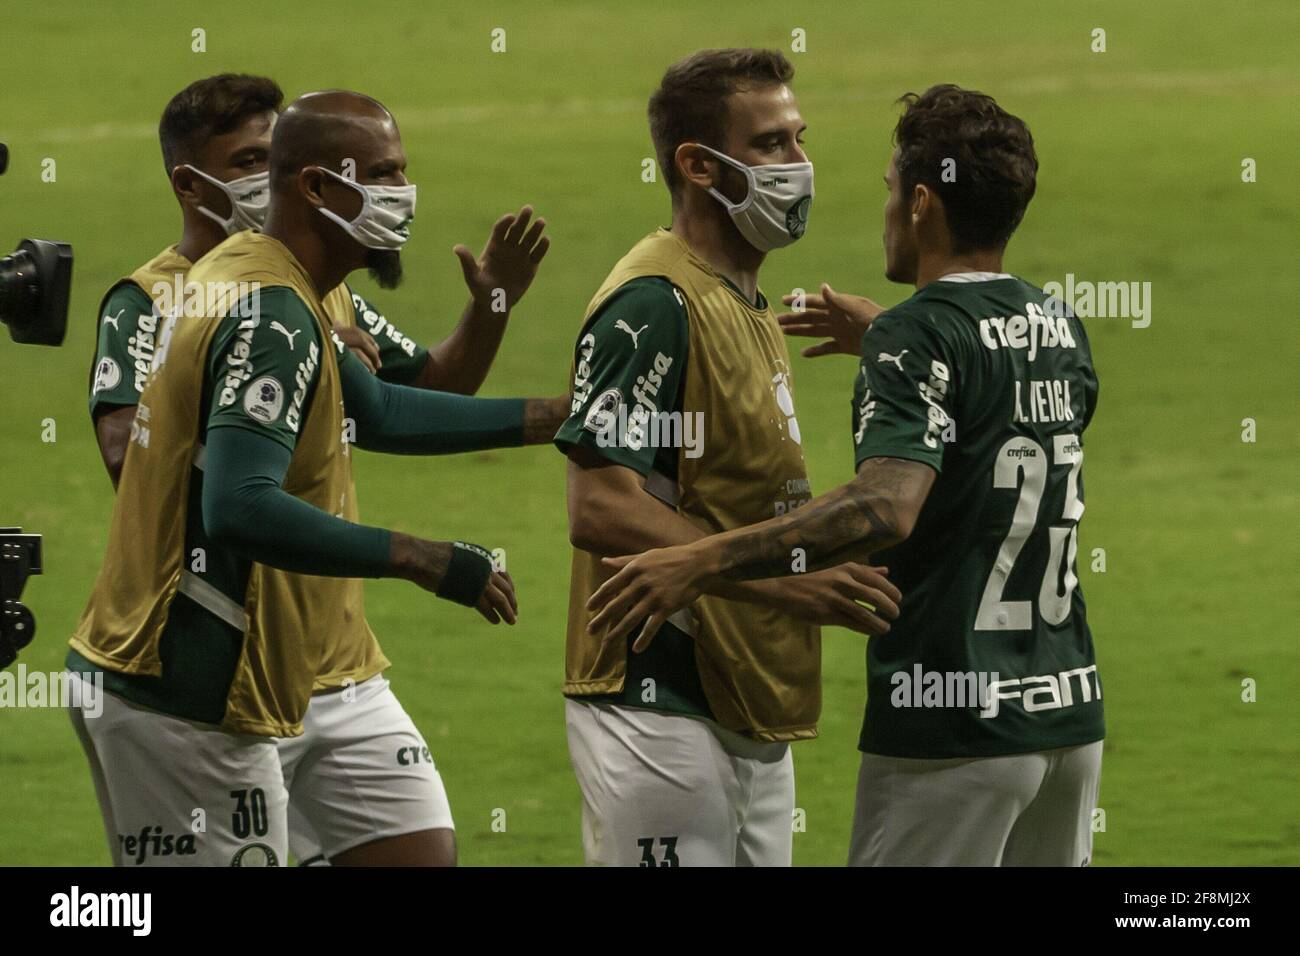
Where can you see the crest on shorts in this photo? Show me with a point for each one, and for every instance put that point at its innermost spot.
(255, 854)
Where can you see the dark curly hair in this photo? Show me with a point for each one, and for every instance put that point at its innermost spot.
(690, 104)
(995, 162)
(210, 107)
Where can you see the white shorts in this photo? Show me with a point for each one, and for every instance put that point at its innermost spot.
(359, 772)
(661, 789)
(174, 792)
(1030, 809)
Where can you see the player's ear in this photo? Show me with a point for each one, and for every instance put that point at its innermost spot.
(696, 166)
(311, 183)
(924, 204)
(186, 185)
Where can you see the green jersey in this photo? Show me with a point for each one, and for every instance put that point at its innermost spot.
(989, 382)
(401, 357)
(128, 326)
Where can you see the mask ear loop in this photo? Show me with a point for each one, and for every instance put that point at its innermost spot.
(227, 225)
(347, 225)
(751, 183)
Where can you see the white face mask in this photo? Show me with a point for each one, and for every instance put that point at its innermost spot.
(384, 221)
(774, 212)
(249, 197)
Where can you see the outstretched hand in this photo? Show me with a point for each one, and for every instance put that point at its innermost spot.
(508, 262)
(853, 595)
(656, 584)
(837, 317)
(653, 585)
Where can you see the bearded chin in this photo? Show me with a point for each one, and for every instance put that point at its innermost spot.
(385, 267)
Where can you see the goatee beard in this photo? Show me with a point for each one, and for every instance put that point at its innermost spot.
(385, 267)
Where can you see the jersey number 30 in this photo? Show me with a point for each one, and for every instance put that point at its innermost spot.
(1026, 455)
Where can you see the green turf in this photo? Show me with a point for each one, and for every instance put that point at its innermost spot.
(1141, 150)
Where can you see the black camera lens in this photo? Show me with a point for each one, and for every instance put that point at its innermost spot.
(34, 285)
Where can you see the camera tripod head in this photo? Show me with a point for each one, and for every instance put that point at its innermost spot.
(20, 557)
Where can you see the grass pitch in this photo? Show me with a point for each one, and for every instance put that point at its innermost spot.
(1141, 149)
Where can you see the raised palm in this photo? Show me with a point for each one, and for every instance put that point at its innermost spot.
(509, 261)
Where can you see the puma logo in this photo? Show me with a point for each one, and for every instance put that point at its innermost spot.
(896, 359)
(112, 319)
(620, 324)
(286, 333)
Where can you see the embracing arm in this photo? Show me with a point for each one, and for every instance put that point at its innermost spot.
(903, 414)
(411, 421)
(611, 513)
(876, 510)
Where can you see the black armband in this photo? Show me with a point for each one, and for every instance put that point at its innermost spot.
(467, 574)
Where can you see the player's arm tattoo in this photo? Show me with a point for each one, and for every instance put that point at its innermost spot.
(424, 562)
(543, 418)
(875, 510)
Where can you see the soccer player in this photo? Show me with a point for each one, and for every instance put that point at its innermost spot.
(216, 137)
(683, 424)
(970, 406)
(238, 463)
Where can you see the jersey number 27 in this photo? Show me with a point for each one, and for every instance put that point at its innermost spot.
(1025, 455)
